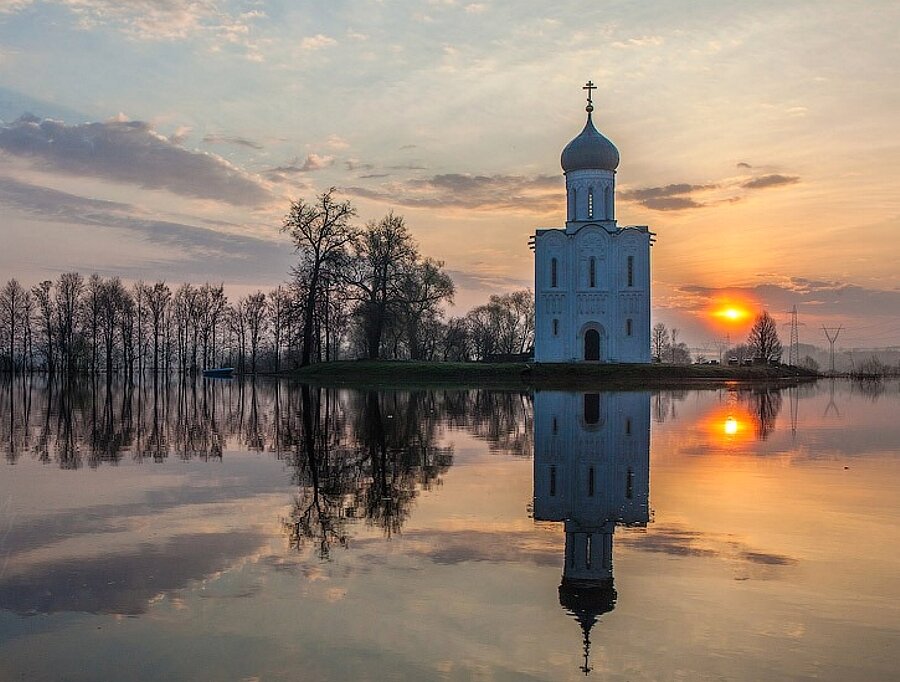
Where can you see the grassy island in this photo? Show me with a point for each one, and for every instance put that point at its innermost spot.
(530, 375)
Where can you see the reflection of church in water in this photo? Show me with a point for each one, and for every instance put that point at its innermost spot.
(592, 472)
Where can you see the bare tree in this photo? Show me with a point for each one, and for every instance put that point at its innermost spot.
(425, 287)
(764, 339)
(659, 341)
(321, 232)
(12, 300)
(68, 304)
(44, 301)
(157, 302)
(382, 255)
(254, 312)
(279, 315)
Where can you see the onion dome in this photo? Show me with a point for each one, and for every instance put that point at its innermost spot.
(591, 150)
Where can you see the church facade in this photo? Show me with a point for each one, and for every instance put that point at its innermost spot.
(592, 277)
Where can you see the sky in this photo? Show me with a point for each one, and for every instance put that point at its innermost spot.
(165, 139)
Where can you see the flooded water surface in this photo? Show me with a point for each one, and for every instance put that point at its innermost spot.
(229, 530)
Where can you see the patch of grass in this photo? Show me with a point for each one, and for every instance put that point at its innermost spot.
(530, 375)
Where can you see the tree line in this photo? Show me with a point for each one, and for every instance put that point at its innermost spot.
(355, 292)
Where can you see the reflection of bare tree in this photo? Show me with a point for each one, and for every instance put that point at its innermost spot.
(502, 419)
(764, 405)
(360, 455)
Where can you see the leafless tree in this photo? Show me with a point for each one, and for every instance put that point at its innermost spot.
(157, 301)
(321, 232)
(69, 288)
(659, 341)
(255, 314)
(382, 255)
(44, 302)
(12, 301)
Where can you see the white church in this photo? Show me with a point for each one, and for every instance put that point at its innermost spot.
(592, 278)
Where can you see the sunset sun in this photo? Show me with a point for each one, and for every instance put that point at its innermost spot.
(732, 313)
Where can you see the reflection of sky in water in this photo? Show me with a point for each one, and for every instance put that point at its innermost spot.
(183, 536)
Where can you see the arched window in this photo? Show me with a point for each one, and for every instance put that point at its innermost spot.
(553, 272)
(590, 202)
(573, 207)
(592, 272)
(555, 327)
(629, 327)
(607, 202)
(631, 271)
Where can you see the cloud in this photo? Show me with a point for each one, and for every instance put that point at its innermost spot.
(154, 19)
(214, 138)
(312, 162)
(537, 194)
(130, 152)
(682, 195)
(180, 134)
(336, 142)
(667, 198)
(743, 164)
(773, 180)
(206, 249)
(317, 42)
(643, 41)
(356, 164)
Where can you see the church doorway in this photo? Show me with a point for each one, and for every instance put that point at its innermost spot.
(592, 345)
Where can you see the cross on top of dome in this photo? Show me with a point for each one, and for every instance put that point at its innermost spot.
(589, 86)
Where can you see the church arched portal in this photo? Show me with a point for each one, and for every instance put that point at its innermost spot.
(593, 345)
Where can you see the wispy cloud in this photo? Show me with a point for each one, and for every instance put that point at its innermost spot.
(154, 19)
(130, 152)
(674, 197)
(214, 138)
(225, 251)
(312, 162)
(681, 196)
(773, 180)
(317, 42)
(537, 194)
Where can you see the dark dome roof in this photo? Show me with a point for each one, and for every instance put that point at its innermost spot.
(590, 150)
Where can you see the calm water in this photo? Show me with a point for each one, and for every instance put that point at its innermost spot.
(239, 531)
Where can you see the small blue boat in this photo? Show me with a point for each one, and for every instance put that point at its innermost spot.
(219, 372)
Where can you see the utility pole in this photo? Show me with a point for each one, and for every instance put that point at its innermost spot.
(832, 333)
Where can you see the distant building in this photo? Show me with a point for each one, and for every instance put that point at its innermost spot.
(592, 278)
(592, 473)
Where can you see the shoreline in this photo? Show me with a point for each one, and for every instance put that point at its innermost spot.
(541, 376)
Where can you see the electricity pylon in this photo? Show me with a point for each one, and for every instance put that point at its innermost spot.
(832, 333)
